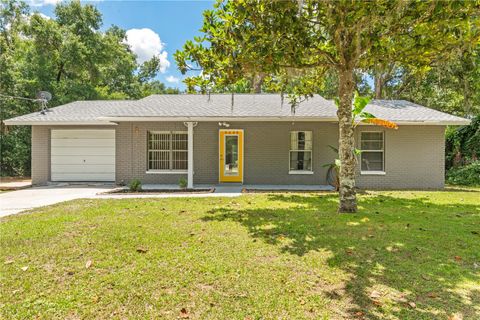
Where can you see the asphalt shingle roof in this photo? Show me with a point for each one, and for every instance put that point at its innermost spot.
(406, 111)
(78, 111)
(215, 106)
(220, 105)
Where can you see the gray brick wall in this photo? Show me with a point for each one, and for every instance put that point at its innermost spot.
(266, 152)
(40, 155)
(131, 150)
(414, 155)
(414, 158)
(267, 147)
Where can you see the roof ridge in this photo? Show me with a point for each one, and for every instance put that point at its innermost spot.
(247, 105)
(222, 94)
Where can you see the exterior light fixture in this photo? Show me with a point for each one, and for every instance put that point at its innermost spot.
(223, 124)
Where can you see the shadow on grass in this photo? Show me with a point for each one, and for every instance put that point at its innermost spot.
(418, 251)
(453, 188)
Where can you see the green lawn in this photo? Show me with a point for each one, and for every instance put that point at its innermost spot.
(405, 255)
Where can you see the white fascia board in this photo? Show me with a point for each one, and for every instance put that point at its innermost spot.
(448, 123)
(425, 123)
(58, 123)
(230, 119)
(264, 119)
(110, 121)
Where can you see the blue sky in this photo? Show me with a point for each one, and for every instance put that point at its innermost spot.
(173, 21)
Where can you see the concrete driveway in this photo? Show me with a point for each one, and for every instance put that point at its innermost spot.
(16, 201)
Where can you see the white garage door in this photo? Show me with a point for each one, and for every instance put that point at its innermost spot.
(83, 155)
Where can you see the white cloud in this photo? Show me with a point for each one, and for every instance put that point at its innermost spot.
(146, 43)
(172, 79)
(41, 3)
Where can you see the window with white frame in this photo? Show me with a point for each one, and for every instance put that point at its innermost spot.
(301, 151)
(372, 155)
(167, 150)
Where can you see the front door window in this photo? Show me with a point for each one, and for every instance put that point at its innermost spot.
(231, 155)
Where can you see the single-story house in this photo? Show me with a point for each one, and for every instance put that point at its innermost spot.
(220, 138)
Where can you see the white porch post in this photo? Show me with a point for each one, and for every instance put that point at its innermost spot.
(190, 155)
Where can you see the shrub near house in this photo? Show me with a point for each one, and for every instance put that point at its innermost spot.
(465, 175)
(463, 153)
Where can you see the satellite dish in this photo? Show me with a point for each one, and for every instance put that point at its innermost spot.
(44, 95)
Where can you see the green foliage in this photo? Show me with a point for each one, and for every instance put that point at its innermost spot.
(135, 185)
(333, 169)
(450, 85)
(359, 104)
(182, 183)
(69, 56)
(462, 154)
(334, 149)
(463, 144)
(15, 151)
(298, 44)
(468, 175)
(157, 87)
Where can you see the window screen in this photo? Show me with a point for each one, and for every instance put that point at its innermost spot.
(372, 156)
(301, 151)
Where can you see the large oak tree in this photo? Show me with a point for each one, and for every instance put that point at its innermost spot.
(291, 45)
(68, 55)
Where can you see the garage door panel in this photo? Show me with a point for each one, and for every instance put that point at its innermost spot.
(81, 151)
(82, 155)
(82, 176)
(83, 134)
(66, 159)
(83, 142)
(86, 168)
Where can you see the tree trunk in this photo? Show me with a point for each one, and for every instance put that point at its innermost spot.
(60, 71)
(257, 82)
(378, 85)
(467, 105)
(382, 74)
(346, 143)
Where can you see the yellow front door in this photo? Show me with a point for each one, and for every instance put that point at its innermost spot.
(231, 155)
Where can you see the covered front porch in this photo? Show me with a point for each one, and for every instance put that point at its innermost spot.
(256, 156)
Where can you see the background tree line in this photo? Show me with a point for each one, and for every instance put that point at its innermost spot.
(69, 56)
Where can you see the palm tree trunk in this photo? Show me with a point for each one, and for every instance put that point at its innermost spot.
(346, 143)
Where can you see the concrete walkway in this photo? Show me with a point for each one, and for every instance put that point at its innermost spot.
(220, 191)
